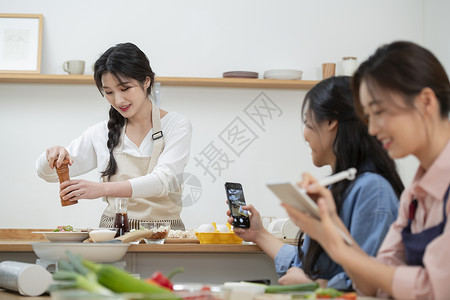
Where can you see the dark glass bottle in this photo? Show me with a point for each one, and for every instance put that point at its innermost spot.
(121, 219)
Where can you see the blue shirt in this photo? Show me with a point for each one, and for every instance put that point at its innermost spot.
(367, 211)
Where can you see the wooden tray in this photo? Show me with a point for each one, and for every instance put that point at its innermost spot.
(181, 241)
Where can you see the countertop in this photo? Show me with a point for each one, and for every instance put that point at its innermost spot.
(211, 263)
(19, 240)
(7, 295)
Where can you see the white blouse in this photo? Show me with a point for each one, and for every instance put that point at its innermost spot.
(89, 152)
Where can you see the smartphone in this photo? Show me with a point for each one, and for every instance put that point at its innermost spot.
(236, 200)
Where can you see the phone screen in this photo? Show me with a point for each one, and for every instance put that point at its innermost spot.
(236, 200)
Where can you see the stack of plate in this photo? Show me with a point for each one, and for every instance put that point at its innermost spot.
(240, 74)
(283, 74)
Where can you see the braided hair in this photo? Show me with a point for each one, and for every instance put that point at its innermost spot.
(122, 61)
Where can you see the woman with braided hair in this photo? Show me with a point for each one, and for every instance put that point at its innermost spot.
(141, 151)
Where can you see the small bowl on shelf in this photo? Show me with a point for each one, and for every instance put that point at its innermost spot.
(283, 74)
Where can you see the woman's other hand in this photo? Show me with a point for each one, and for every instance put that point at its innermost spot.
(324, 231)
(307, 180)
(57, 154)
(316, 191)
(76, 189)
(294, 275)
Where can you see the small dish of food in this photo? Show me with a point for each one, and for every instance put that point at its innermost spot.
(64, 234)
(102, 234)
(158, 231)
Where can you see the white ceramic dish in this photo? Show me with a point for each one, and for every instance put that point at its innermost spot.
(64, 236)
(102, 235)
(283, 74)
(95, 252)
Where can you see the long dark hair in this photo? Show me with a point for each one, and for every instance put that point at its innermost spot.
(122, 61)
(407, 68)
(329, 100)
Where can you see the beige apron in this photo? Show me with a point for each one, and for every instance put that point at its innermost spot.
(166, 208)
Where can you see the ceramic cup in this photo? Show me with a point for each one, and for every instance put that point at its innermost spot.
(74, 67)
(349, 65)
(328, 70)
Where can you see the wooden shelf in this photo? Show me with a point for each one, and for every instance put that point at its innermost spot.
(166, 81)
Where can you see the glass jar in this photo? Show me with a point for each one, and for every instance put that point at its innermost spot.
(121, 219)
(349, 65)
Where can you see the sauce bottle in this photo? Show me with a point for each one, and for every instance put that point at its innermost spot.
(121, 218)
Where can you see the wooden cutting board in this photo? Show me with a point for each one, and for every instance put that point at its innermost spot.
(181, 241)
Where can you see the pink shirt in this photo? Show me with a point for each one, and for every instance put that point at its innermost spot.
(433, 280)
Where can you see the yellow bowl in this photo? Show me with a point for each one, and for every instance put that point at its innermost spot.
(218, 238)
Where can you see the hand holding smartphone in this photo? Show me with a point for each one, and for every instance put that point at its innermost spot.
(236, 199)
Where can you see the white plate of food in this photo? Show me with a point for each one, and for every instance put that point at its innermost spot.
(96, 252)
(64, 236)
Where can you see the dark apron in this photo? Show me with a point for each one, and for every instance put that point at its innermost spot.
(416, 243)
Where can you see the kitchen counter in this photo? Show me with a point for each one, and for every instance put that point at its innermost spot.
(18, 240)
(207, 263)
(181, 247)
(8, 295)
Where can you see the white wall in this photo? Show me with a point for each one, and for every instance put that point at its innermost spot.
(436, 24)
(193, 39)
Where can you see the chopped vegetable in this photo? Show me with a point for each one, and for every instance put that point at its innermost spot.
(72, 274)
(164, 281)
(121, 281)
(103, 279)
(330, 293)
(63, 228)
(327, 293)
(206, 288)
(348, 296)
(291, 288)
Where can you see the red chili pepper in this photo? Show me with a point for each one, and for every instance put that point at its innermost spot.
(164, 281)
(152, 282)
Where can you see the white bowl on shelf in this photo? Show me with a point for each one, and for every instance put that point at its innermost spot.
(283, 74)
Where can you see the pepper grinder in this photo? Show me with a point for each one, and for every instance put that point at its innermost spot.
(63, 175)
